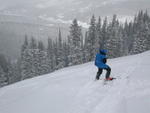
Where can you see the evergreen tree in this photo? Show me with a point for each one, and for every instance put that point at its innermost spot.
(33, 43)
(43, 61)
(99, 39)
(29, 59)
(41, 46)
(50, 54)
(15, 72)
(74, 41)
(141, 36)
(92, 39)
(25, 45)
(25, 60)
(54, 54)
(82, 49)
(4, 64)
(130, 38)
(66, 53)
(3, 78)
(104, 33)
(87, 48)
(4, 71)
(60, 57)
(114, 41)
(125, 39)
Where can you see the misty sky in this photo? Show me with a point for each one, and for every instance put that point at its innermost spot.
(65, 10)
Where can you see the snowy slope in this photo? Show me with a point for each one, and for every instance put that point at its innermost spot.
(73, 90)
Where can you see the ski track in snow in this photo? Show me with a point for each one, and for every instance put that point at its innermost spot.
(73, 90)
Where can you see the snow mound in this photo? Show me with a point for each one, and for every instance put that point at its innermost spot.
(73, 90)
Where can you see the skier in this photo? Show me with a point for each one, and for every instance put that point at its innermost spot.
(100, 62)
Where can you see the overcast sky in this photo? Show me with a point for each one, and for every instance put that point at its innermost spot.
(66, 10)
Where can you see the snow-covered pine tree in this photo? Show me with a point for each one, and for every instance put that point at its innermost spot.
(50, 55)
(55, 56)
(82, 49)
(60, 57)
(104, 33)
(14, 72)
(123, 48)
(148, 38)
(3, 78)
(66, 53)
(92, 39)
(70, 51)
(125, 45)
(29, 59)
(5, 66)
(99, 39)
(114, 40)
(130, 38)
(87, 47)
(25, 44)
(86, 54)
(146, 19)
(141, 36)
(43, 61)
(24, 64)
(74, 42)
(34, 57)
(41, 46)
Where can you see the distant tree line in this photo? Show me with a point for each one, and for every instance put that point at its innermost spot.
(119, 39)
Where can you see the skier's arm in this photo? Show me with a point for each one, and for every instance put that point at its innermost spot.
(105, 60)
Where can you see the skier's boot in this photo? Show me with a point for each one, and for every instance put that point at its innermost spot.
(97, 78)
(109, 78)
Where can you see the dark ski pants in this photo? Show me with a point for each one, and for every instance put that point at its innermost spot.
(100, 70)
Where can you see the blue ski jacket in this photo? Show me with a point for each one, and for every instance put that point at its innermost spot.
(99, 61)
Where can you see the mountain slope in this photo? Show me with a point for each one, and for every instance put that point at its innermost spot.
(73, 90)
